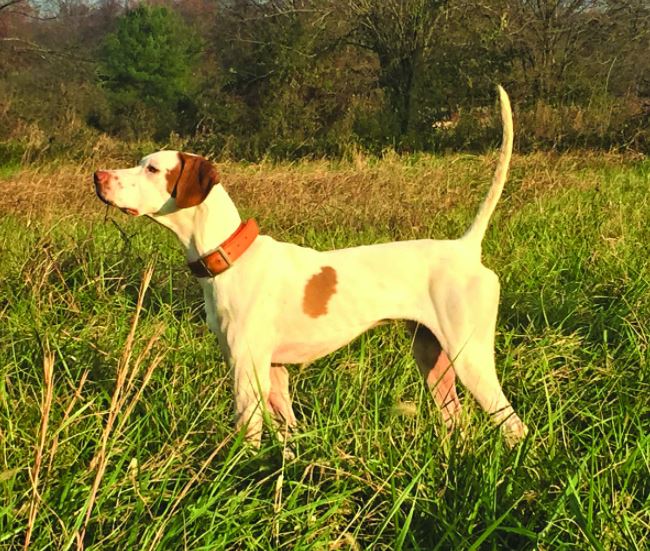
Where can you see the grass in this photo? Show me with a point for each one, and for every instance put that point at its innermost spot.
(129, 445)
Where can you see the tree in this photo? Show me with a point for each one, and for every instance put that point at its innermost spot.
(285, 84)
(401, 34)
(551, 42)
(146, 69)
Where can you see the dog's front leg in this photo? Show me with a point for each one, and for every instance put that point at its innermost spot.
(279, 398)
(280, 406)
(252, 386)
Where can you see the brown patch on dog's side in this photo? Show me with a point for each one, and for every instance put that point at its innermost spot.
(318, 291)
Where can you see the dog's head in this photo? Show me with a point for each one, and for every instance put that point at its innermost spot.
(163, 182)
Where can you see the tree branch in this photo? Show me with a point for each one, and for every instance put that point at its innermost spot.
(10, 3)
(32, 47)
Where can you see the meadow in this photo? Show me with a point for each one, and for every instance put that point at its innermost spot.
(115, 406)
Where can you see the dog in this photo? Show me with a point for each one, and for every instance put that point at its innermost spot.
(273, 303)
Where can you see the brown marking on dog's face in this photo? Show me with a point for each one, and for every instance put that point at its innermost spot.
(318, 291)
(172, 176)
(190, 181)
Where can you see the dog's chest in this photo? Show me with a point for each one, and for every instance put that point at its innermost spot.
(210, 306)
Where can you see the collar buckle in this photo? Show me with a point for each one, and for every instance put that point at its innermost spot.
(200, 266)
(224, 255)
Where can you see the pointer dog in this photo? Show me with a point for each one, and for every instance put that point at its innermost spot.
(272, 303)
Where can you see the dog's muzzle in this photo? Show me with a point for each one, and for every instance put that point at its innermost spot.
(101, 178)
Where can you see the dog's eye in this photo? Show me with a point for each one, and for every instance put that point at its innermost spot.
(152, 169)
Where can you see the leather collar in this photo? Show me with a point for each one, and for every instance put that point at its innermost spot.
(224, 256)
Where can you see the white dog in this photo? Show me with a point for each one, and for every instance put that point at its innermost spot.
(272, 303)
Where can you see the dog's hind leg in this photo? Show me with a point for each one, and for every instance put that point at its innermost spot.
(437, 370)
(468, 314)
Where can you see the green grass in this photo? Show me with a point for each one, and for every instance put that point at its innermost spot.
(370, 472)
(7, 170)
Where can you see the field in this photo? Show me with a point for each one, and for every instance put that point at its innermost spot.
(115, 407)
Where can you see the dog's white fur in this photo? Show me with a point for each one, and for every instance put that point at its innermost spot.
(257, 307)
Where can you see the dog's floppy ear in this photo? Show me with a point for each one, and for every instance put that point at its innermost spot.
(191, 180)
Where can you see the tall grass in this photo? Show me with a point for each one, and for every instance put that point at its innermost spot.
(135, 447)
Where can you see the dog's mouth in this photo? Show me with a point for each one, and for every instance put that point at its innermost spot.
(99, 191)
(125, 210)
(101, 197)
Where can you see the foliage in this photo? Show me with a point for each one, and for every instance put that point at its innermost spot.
(402, 34)
(287, 79)
(146, 67)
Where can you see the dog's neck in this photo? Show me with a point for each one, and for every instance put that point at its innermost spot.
(203, 228)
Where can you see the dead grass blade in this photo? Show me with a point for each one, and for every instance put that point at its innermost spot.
(66, 414)
(48, 371)
(124, 377)
(145, 381)
(136, 368)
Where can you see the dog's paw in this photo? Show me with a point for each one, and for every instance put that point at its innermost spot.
(288, 454)
(514, 430)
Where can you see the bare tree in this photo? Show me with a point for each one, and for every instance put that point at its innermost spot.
(549, 38)
(400, 33)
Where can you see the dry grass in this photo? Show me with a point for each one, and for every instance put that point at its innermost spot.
(124, 385)
(48, 373)
(394, 192)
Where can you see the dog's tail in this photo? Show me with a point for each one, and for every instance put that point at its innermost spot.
(479, 226)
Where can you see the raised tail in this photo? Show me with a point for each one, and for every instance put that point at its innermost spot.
(480, 224)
